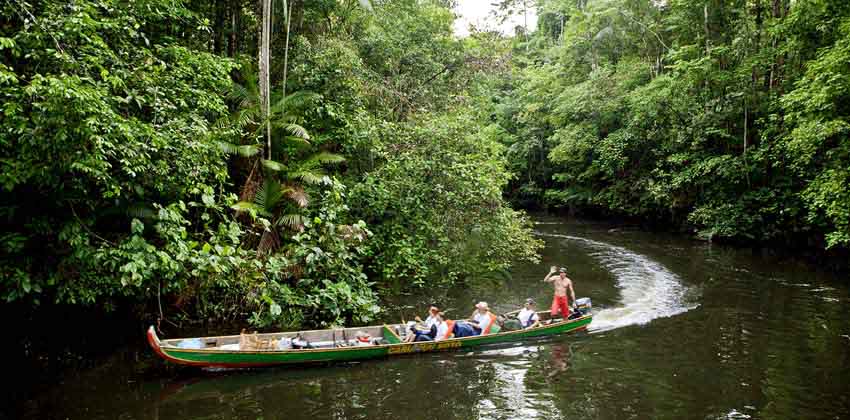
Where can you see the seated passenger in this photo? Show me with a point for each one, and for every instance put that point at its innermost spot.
(528, 316)
(432, 313)
(424, 331)
(483, 320)
(445, 328)
(419, 332)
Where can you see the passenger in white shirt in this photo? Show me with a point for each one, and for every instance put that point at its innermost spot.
(424, 330)
(482, 319)
(528, 316)
(442, 327)
(432, 314)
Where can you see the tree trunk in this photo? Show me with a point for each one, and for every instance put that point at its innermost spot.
(234, 28)
(705, 27)
(288, 14)
(707, 86)
(746, 122)
(218, 29)
(265, 34)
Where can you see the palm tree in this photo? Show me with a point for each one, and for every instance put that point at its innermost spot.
(274, 189)
(249, 124)
(280, 201)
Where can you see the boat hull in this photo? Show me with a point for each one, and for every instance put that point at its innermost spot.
(245, 359)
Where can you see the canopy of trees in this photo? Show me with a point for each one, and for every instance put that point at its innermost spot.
(145, 164)
(727, 118)
(151, 161)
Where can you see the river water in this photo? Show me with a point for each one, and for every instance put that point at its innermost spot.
(682, 329)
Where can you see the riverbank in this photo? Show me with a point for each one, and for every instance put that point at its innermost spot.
(835, 261)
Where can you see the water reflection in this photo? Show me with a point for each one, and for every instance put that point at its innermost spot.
(559, 360)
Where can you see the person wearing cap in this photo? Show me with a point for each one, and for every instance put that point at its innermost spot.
(562, 283)
(432, 316)
(482, 320)
(424, 331)
(528, 316)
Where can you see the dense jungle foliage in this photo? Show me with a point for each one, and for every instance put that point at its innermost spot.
(142, 167)
(728, 118)
(139, 169)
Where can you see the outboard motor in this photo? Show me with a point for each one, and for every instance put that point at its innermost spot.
(583, 305)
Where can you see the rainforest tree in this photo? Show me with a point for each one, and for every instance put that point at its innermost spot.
(719, 117)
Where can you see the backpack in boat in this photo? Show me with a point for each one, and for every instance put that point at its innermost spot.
(512, 324)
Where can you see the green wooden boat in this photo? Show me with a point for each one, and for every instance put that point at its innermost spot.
(335, 344)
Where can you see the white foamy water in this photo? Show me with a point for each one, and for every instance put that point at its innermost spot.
(648, 290)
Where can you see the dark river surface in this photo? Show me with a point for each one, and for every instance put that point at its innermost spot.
(682, 329)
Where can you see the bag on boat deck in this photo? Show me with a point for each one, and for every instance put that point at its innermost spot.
(300, 343)
(284, 343)
(512, 324)
(190, 343)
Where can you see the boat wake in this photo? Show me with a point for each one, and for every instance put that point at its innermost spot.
(648, 289)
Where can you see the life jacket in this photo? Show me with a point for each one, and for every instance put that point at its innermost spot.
(490, 325)
(450, 330)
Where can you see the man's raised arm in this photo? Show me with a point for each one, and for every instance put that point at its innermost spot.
(548, 277)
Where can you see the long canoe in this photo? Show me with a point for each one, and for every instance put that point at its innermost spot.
(332, 345)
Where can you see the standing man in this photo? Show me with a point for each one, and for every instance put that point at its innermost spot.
(562, 283)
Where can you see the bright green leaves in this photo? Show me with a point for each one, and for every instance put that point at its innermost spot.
(439, 206)
(322, 273)
(105, 118)
(728, 121)
(818, 145)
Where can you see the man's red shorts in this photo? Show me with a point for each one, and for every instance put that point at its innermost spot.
(560, 304)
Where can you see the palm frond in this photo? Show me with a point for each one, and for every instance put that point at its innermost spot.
(239, 93)
(299, 196)
(310, 177)
(250, 208)
(245, 117)
(274, 165)
(292, 141)
(270, 195)
(292, 221)
(293, 101)
(267, 196)
(326, 157)
(298, 131)
(223, 123)
(243, 150)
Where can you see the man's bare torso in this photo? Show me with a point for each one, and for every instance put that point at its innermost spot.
(561, 284)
